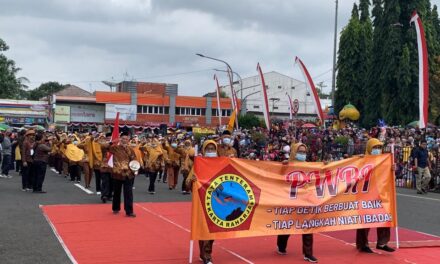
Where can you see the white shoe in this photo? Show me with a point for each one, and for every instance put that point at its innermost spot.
(3, 176)
(9, 177)
(98, 193)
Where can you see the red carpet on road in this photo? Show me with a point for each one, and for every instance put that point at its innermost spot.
(160, 234)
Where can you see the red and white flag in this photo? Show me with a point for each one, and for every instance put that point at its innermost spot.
(265, 99)
(114, 139)
(311, 87)
(218, 101)
(233, 97)
(291, 106)
(423, 70)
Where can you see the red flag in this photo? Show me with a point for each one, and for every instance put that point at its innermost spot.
(115, 139)
(311, 86)
(423, 70)
(218, 101)
(265, 101)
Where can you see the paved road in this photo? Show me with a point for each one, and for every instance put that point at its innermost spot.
(26, 237)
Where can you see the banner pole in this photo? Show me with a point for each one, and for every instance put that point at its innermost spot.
(191, 249)
(395, 204)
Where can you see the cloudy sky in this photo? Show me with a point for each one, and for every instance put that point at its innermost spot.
(83, 42)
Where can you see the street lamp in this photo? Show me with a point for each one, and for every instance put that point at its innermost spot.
(334, 55)
(244, 102)
(231, 78)
(241, 82)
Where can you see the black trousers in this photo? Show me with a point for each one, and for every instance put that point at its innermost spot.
(184, 187)
(152, 176)
(27, 176)
(18, 166)
(307, 240)
(39, 175)
(6, 164)
(127, 184)
(383, 236)
(98, 180)
(106, 185)
(75, 172)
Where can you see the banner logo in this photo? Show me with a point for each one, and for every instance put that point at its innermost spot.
(229, 200)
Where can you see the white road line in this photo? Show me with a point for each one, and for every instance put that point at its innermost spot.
(187, 230)
(418, 197)
(69, 254)
(82, 188)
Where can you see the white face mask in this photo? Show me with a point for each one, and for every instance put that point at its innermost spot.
(376, 152)
(211, 154)
(226, 141)
(174, 145)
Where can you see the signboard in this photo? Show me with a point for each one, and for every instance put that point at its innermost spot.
(295, 106)
(62, 114)
(87, 113)
(199, 130)
(126, 112)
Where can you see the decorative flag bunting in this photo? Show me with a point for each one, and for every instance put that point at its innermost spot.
(265, 100)
(115, 138)
(218, 102)
(423, 70)
(311, 87)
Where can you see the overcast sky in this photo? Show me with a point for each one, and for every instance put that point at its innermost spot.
(83, 42)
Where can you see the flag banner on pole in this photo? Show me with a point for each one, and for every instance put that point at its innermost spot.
(218, 101)
(115, 137)
(232, 90)
(291, 106)
(311, 87)
(423, 70)
(237, 109)
(232, 120)
(234, 198)
(265, 99)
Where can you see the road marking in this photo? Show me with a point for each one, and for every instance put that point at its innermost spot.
(418, 197)
(82, 188)
(69, 254)
(187, 230)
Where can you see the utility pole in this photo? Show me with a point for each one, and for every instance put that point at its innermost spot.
(334, 56)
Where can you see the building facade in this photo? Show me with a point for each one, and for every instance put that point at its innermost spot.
(18, 113)
(278, 86)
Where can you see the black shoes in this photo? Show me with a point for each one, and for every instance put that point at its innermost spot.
(281, 252)
(131, 215)
(310, 258)
(366, 250)
(385, 248)
(115, 212)
(104, 199)
(39, 191)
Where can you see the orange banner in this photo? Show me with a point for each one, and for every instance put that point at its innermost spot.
(243, 198)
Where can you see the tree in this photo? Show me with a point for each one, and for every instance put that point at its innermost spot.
(249, 121)
(348, 62)
(45, 90)
(9, 85)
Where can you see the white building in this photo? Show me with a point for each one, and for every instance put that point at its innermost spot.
(278, 86)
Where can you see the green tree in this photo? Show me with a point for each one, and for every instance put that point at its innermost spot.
(372, 110)
(10, 87)
(248, 121)
(45, 90)
(348, 62)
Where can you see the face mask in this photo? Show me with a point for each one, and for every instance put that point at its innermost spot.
(133, 145)
(174, 145)
(226, 141)
(376, 152)
(210, 154)
(301, 157)
(154, 145)
(242, 142)
(75, 142)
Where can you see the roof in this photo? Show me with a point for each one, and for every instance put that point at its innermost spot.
(72, 90)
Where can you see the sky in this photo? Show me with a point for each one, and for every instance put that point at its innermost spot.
(84, 42)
